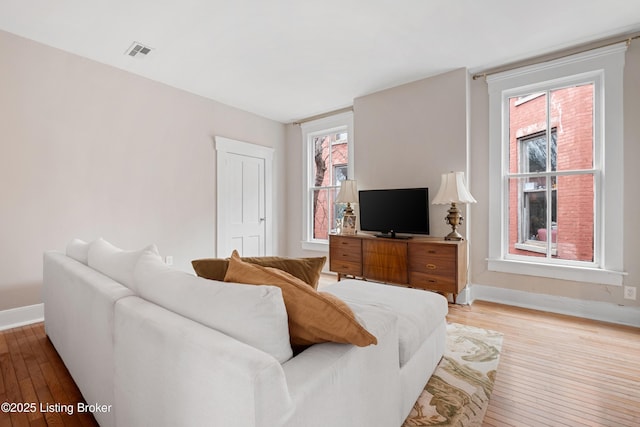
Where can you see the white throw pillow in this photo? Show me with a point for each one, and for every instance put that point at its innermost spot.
(254, 315)
(79, 250)
(116, 263)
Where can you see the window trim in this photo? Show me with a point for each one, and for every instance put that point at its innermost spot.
(309, 130)
(608, 239)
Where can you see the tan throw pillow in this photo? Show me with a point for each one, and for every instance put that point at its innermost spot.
(306, 269)
(314, 317)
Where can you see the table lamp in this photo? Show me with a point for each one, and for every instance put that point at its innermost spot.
(453, 191)
(348, 194)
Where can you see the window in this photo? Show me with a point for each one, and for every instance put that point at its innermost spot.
(556, 132)
(328, 155)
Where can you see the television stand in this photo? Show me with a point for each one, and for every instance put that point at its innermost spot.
(421, 262)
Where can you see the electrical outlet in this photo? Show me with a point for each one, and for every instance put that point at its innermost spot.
(168, 260)
(630, 292)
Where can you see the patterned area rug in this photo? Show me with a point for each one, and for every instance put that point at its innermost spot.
(458, 392)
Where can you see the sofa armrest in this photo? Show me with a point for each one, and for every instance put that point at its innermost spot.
(173, 371)
(78, 318)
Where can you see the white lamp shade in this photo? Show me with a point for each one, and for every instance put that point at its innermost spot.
(348, 192)
(453, 190)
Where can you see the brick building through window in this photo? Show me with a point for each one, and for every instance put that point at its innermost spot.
(331, 168)
(551, 174)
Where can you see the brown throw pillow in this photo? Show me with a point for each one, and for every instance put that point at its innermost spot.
(314, 317)
(306, 269)
(211, 268)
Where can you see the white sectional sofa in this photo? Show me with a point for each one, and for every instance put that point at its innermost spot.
(160, 347)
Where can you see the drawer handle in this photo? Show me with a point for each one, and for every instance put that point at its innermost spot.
(431, 251)
(431, 266)
(432, 281)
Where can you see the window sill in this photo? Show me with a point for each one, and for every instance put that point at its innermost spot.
(535, 246)
(315, 246)
(562, 272)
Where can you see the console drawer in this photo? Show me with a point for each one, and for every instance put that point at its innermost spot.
(439, 260)
(345, 255)
(434, 266)
(422, 250)
(432, 282)
(346, 267)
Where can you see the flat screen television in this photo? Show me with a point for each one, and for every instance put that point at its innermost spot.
(388, 212)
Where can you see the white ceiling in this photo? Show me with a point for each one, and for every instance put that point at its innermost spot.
(290, 59)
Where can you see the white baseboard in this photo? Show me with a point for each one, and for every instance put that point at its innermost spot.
(596, 310)
(21, 316)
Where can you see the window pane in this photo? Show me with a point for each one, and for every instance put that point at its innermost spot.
(572, 114)
(321, 173)
(326, 212)
(528, 120)
(330, 159)
(571, 226)
(339, 158)
(337, 211)
(575, 222)
(321, 214)
(528, 217)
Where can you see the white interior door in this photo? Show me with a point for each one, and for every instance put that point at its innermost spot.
(244, 204)
(244, 198)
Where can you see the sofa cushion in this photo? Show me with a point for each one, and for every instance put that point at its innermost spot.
(419, 312)
(306, 269)
(252, 315)
(314, 317)
(79, 250)
(114, 262)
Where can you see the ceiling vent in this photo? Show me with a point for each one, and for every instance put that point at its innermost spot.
(138, 50)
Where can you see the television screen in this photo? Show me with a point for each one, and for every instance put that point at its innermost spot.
(404, 210)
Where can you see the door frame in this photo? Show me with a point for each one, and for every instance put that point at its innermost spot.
(224, 147)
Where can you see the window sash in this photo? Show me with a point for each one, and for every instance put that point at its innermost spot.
(331, 217)
(330, 198)
(550, 134)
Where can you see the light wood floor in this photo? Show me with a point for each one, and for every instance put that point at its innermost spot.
(554, 371)
(559, 370)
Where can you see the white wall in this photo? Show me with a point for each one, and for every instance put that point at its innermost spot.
(631, 172)
(88, 150)
(409, 135)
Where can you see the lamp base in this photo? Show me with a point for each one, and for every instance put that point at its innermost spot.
(454, 219)
(454, 235)
(348, 221)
